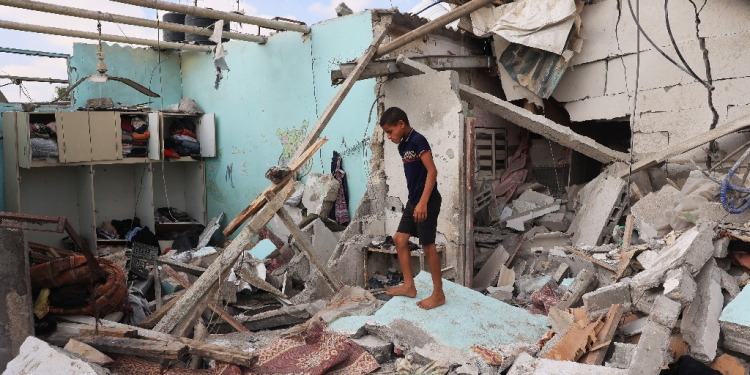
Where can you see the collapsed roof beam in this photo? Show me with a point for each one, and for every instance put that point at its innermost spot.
(34, 79)
(102, 16)
(442, 21)
(219, 15)
(95, 36)
(381, 68)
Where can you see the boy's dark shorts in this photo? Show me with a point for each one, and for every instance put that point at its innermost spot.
(427, 229)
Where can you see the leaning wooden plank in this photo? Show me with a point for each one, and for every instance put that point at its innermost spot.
(181, 267)
(307, 248)
(541, 125)
(214, 307)
(155, 317)
(590, 259)
(604, 338)
(338, 98)
(261, 200)
(125, 345)
(112, 332)
(222, 264)
(205, 350)
(689, 145)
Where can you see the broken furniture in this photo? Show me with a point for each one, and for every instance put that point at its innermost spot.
(418, 253)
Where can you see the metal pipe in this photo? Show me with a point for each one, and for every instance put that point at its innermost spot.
(95, 36)
(429, 27)
(32, 79)
(216, 14)
(116, 18)
(34, 53)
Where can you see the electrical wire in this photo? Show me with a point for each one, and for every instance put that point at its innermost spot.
(726, 186)
(635, 93)
(630, 5)
(674, 44)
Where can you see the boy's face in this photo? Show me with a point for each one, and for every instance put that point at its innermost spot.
(395, 132)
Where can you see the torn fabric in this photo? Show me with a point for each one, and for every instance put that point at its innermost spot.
(541, 24)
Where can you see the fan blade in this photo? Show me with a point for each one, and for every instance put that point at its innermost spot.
(136, 86)
(69, 90)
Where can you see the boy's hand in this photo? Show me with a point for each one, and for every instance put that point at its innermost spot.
(420, 212)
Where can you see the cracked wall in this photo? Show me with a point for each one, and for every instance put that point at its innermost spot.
(671, 105)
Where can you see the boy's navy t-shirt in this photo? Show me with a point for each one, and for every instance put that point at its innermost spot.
(411, 148)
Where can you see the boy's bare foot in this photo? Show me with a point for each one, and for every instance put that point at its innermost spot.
(402, 290)
(432, 301)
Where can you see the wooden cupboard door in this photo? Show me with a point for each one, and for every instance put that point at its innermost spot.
(206, 134)
(104, 144)
(118, 134)
(22, 137)
(76, 137)
(155, 144)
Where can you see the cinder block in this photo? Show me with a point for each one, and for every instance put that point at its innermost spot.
(622, 355)
(584, 282)
(680, 286)
(721, 247)
(700, 322)
(665, 312)
(597, 303)
(649, 354)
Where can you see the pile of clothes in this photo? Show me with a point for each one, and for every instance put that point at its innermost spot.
(135, 137)
(43, 141)
(172, 215)
(182, 142)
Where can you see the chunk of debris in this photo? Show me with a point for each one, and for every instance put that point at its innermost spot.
(680, 286)
(602, 208)
(598, 302)
(622, 355)
(379, 349)
(321, 191)
(584, 282)
(343, 10)
(700, 321)
(38, 357)
(528, 365)
(654, 343)
(650, 220)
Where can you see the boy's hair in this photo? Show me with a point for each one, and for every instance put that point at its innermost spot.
(392, 116)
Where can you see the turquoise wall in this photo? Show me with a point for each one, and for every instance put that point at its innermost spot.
(272, 92)
(138, 64)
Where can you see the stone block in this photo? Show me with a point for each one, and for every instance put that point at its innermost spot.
(651, 349)
(597, 303)
(561, 272)
(379, 349)
(650, 221)
(584, 282)
(38, 357)
(665, 312)
(596, 213)
(721, 247)
(556, 222)
(700, 321)
(622, 355)
(680, 286)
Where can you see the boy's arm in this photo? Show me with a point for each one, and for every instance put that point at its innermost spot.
(420, 211)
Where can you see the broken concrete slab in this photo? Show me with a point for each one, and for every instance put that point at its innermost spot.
(599, 210)
(555, 222)
(665, 312)
(584, 282)
(488, 273)
(323, 241)
(503, 293)
(320, 193)
(525, 364)
(518, 221)
(561, 272)
(622, 355)
(647, 258)
(735, 323)
(680, 286)
(540, 125)
(650, 220)
(576, 263)
(700, 321)
(379, 349)
(721, 247)
(651, 350)
(729, 283)
(38, 357)
(597, 303)
(468, 318)
(530, 200)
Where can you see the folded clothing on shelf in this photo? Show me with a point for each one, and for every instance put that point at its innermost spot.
(172, 215)
(43, 140)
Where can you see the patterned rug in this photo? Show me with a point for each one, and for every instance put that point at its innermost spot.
(318, 352)
(126, 365)
(543, 300)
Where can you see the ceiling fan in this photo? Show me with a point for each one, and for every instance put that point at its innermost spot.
(102, 77)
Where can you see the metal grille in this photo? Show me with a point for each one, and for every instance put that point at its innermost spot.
(555, 178)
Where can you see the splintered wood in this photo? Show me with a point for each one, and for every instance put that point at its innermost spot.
(587, 341)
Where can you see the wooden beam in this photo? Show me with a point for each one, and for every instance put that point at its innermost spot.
(223, 263)
(155, 317)
(541, 125)
(626, 238)
(157, 286)
(125, 345)
(327, 114)
(111, 332)
(181, 267)
(590, 259)
(689, 145)
(307, 248)
(258, 203)
(211, 305)
(513, 256)
(604, 337)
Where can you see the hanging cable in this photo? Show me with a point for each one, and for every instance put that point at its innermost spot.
(635, 93)
(674, 44)
(690, 73)
(743, 203)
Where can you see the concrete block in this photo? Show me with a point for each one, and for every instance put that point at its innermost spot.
(650, 221)
(643, 299)
(691, 250)
(647, 258)
(525, 364)
(320, 193)
(726, 50)
(721, 247)
(530, 200)
(584, 282)
(665, 312)
(651, 19)
(599, 29)
(680, 286)
(700, 321)
(597, 211)
(503, 294)
(598, 302)
(556, 222)
(519, 220)
(622, 355)
(582, 81)
(277, 226)
(672, 98)
(38, 357)
(599, 108)
(729, 283)
(651, 348)
(576, 263)
(323, 241)
(723, 18)
(645, 144)
(561, 272)
(379, 349)
(699, 120)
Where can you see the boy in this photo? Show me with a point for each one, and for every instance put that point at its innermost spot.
(420, 215)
